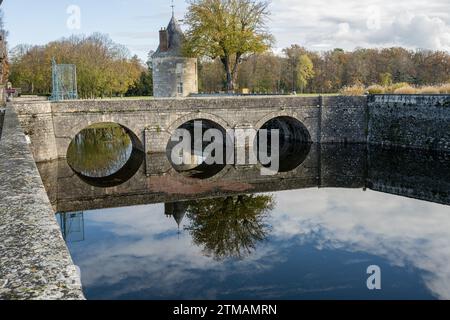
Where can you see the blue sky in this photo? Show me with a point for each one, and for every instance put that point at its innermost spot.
(315, 24)
(134, 23)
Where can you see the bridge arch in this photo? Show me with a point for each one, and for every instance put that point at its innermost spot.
(197, 167)
(294, 141)
(117, 151)
(284, 114)
(197, 116)
(76, 126)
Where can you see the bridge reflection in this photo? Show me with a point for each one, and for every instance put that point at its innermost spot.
(409, 173)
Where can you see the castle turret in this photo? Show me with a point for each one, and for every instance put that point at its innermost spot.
(174, 75)
(177, 210)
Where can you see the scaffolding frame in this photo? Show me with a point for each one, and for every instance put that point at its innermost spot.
(72, 226)
(64, 81)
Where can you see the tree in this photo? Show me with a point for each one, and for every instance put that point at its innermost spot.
(385, 79)
(229, 227)
(104, 68)
(4, 64)
(230, 30)
(261, 73)
(305, 71)
(211, 76)
(144, 85)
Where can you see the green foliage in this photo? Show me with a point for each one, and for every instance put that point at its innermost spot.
(143, 86)
(229, 30)
(385, 79)
(305, 71)
(104, 68)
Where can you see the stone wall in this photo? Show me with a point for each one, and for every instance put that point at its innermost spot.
(413, 121)
(2, 115)
(418, 174)
(37, 121)
(393, 120)
(168, 72)
(34, 260)
(344, 119)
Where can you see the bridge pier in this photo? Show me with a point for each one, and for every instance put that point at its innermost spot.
(156, 139)
(244, 139)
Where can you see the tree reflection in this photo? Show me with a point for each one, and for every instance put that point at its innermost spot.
(229, 227)
(105, 155)
(100, 151)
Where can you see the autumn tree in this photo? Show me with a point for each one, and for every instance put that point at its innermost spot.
(230, 227)
(305, 71)
(261, 73)
(104, 68)
(229, 30)
(4, 64)
(211, 76)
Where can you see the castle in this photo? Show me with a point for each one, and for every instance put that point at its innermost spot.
(174, 75)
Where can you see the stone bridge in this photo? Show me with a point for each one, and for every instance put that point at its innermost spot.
(51, 126)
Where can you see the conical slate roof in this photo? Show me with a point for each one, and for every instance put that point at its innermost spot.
(175, 37)
(177, 210)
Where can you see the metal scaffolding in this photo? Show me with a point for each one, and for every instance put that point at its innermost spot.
(64, 80)
(72, 226)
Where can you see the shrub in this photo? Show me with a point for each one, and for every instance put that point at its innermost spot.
(445, 88)
(355, 90)
(376, 89)
(429, 90)
(405, 90)
(395, 86)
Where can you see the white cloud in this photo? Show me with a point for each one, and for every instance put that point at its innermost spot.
(321, 25)
(146, 253)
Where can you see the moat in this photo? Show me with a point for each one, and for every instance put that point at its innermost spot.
(148, 231)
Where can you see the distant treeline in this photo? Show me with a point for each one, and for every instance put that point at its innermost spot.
(107, 69)
(104, 68)
(331, 70)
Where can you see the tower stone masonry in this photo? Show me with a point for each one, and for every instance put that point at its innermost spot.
(174, 75)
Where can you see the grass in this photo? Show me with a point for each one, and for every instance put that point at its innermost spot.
(317, 94)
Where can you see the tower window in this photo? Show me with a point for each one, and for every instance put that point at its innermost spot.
(180, 88)
(179, 69)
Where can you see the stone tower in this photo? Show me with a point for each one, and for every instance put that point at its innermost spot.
(174, 75)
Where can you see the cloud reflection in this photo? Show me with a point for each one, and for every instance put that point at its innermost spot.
(136, 252)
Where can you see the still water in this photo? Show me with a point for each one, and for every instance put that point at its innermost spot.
(306, 234)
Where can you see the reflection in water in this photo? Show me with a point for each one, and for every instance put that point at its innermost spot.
(294, 142)
(72, 226)
(304, 243)
(197, 167)
(105, 155)
(231, 226)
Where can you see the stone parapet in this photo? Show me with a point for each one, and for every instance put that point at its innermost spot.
(34, 260)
